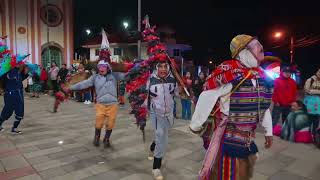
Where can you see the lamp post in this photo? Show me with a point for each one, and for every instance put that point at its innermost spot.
(279, 35)
(125, 24)
(139, 28)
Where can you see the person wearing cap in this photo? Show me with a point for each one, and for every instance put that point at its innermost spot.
(105, 86)
(285, 93)
(235, 100)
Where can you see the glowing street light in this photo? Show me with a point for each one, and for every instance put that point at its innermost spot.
(210, 62)
(277, 35)
(88, 31)
(125, 24)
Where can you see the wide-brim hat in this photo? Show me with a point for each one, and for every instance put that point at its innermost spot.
(238, 43)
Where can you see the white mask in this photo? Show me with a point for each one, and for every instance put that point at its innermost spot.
(247, 58)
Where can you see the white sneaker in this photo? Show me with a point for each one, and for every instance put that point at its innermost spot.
(157, 174)
(85, 102)
(150, 155)
(89, 102)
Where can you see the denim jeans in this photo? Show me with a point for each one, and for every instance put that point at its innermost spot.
(87, 96)
(186, 109)
(277, 111)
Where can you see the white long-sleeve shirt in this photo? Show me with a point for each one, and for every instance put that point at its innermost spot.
(209, 98)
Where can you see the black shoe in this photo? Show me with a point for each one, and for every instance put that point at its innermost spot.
(106, 139)
(15, 131)
(96, 140)
(106, 143)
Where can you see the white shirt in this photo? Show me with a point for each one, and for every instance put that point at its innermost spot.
(209, 98)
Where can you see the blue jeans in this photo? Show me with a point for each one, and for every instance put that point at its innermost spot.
(87, 96)
(186, 109)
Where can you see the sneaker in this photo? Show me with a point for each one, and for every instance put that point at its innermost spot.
(85, 102)
(150, 155)
(1, 129)
(157, 174)
(88, 102)
(15, 131)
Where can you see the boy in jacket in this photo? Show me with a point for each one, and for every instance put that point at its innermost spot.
(285, 92)
(162, 87)
(105, 86)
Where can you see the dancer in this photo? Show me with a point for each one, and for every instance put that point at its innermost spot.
(237, 99)
(105, 86)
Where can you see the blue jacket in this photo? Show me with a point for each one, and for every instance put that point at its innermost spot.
(13, 80)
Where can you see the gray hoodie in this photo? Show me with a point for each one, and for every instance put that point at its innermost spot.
(105, 87)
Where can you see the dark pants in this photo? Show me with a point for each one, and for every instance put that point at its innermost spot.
(13, 101)
(186, 109)
(87, 96)
(280, 110)
(43, 85)
(55, 86)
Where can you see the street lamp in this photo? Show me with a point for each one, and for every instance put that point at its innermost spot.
(210, 62)
(88, 31)
(278, 35)
(125, 24)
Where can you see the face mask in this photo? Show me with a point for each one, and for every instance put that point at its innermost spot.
(247, 58)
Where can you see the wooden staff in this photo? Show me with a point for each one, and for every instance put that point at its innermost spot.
(177, 75)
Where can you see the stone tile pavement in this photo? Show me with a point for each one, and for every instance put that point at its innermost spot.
(58, 146)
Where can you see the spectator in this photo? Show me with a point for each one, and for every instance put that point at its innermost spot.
(87, 94)
(185, 99)
(62, 74)
(35, 87)
(312, 99)
(53, 74)
(198, 86)
(285, 92)
(43, 79)
(297, 127)
(122, 90)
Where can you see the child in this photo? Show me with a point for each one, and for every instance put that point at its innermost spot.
(162, 87)
(107, 103)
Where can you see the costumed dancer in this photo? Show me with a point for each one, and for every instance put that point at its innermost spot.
(154, 92)
(237, 99)
(12, 71)
(105, 86)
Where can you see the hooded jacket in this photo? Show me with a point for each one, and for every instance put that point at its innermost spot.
(161, 93)
(285, 91)
(105, 88)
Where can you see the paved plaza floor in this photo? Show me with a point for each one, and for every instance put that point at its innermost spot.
(59, 147)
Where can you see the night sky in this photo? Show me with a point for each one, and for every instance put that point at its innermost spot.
(209, 26)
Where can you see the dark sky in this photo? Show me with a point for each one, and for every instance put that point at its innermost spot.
(209, 26)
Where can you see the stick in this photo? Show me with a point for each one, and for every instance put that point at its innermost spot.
(177, 75)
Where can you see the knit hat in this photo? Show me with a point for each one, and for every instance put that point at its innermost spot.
(238, 43)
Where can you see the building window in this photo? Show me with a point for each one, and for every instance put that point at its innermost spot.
(117, 51)
(176, 52)
(51, 15)
(97, 52)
